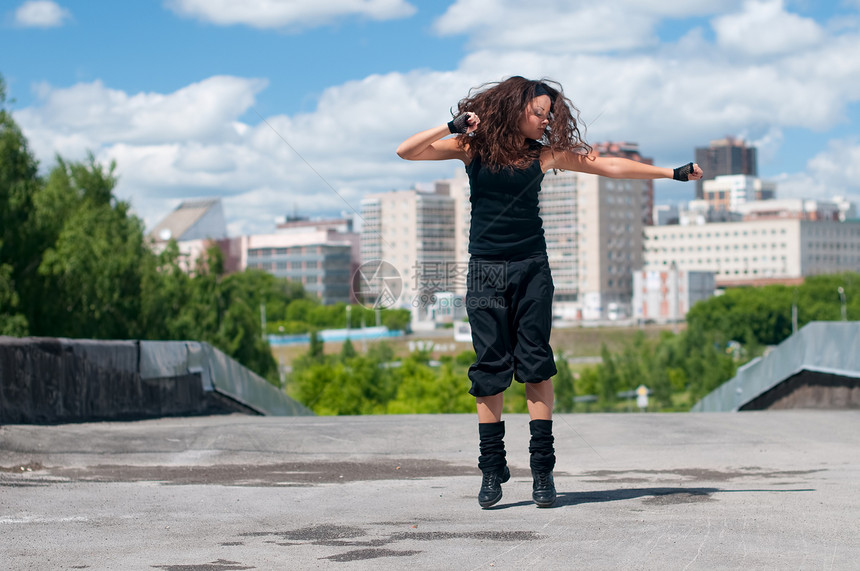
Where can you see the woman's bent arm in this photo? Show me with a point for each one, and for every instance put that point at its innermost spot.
(427, 146)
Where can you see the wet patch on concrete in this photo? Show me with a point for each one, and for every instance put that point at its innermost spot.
(375, 546)
(219, 565)
(478, 535)
(690, 474)
(364, 554)
(286, 474)
(693, 497)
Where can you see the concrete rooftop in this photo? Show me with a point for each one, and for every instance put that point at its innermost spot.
(766, 490)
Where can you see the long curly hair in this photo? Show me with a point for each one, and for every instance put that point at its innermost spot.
(500, 106)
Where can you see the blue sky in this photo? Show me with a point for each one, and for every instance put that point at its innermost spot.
(196, 98)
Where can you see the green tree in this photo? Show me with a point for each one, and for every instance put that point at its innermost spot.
(20, 248)
(607, 380)
(94, 266)
(564, 386)
(11, 322)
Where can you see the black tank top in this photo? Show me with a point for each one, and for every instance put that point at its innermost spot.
(506, 219)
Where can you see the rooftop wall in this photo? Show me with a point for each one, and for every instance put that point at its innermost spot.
(820, 361)
(52, 380)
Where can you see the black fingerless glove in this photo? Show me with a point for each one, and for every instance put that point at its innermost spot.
(683, 173)
(459, 124)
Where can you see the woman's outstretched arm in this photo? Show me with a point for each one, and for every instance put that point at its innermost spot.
(614, 167)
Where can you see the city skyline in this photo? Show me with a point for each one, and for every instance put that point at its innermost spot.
(285, 107)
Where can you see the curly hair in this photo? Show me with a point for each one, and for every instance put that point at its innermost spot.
(500, 106)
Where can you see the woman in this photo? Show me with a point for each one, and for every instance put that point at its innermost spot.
(509, 134)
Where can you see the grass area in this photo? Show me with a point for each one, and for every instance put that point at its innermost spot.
(587, 341)
(572, 342)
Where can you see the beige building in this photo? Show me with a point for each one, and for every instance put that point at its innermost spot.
(458, 189)
(593, 229)
(414, 231)
(755, 251)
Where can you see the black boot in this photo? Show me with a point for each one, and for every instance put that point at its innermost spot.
(492, 463)
(542, 463)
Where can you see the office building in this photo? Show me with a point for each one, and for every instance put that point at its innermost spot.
(759, 251)
(725, 157)
(321, 260)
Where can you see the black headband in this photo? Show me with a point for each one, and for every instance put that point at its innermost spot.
(542, 89)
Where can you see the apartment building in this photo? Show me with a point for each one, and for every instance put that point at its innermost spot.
(593, 227)
(414, 231)
(755, 251)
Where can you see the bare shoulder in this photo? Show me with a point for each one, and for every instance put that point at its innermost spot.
(563, 160)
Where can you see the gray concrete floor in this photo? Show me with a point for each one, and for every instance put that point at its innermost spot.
(766, 490)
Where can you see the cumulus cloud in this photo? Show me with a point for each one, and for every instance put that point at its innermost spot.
(833, 172)
(201, 140)
(764, 28)
(546, 26)
(41, 14)
(838, 167)
(193, 142)
(287, 13)
(562, 26)
(87, 115)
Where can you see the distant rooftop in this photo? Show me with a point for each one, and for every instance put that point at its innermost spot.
(192, 220)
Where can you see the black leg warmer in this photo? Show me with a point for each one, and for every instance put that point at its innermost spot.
(541, 446)
(492, 458)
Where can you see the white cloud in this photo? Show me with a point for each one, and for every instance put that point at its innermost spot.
(41, 14)
(547, 26)
(764, 28)
(833, 172)
(838, 166)
(87, 115)
(192, 142)
(287, 13)
(201, 141)
(564, 26)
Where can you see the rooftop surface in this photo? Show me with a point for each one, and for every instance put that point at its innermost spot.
(767, 490)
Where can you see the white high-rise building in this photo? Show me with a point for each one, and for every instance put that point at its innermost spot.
(458, 189)
(413, 231)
